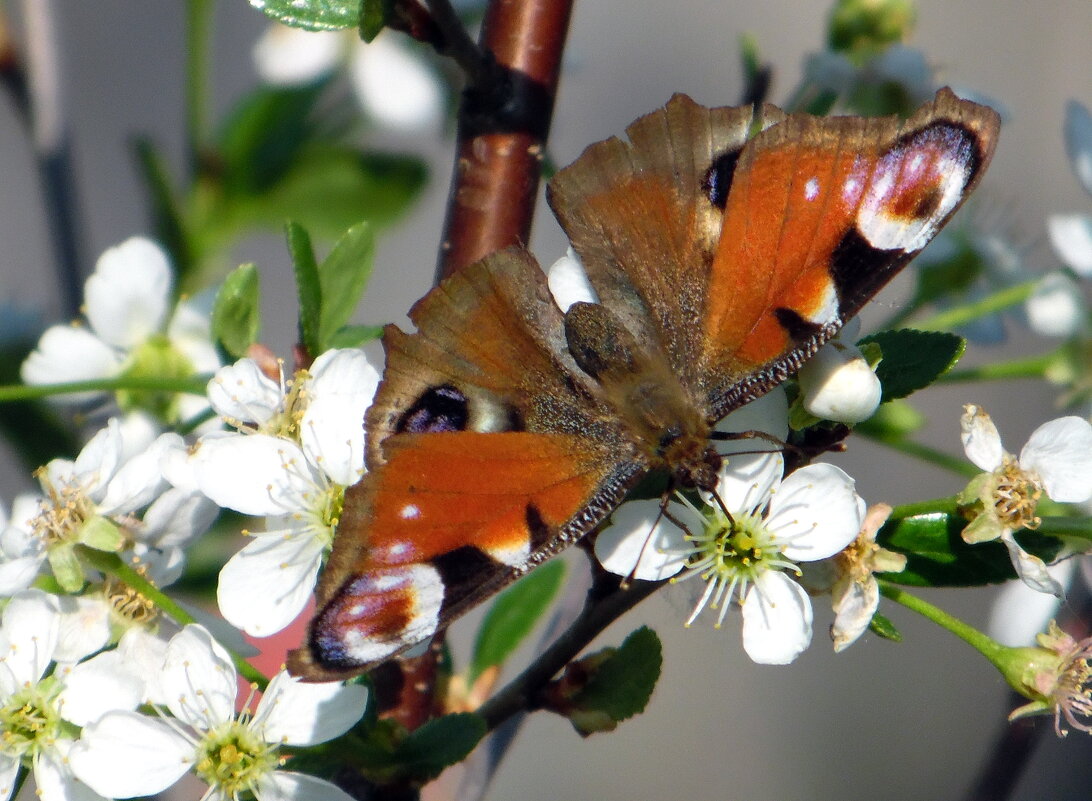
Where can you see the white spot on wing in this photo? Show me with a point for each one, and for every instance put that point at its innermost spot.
(827, 310)
(811, 189)
(409, 512)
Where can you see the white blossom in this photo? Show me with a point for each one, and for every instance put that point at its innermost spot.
(773, 525)
(39, 710)
(292, 468)
(125, 754)
(132, 331)
(1057, 461)
(394, 84)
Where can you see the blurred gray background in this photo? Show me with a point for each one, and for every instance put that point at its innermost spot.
(909, 721)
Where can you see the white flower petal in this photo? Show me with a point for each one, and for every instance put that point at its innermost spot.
(19, 573)
(266, 585)
(287, 56)
(190, 331)
(66, 353)
(1060, 452)
(853, 611)
(1056, 307)
(568, 282)
(630, 538)
(815, 512)
(255, 475)
(137, 482)
(776, 619)
(302, 714)
(1071, 236)
(177, 517)
(981, 442)
(769, 414)
(126, 297)
(242, 392)
(99, 459)
(31, 626)
(395, 85)
(1031, 569)
(747, 479)
(177, 466)
(138, 431)
(199, 679)
(837, 384)
(342, 386)
(55, 780)
(9, 769)
(1019, 612)
(84, 627)
(145, 653)
(284, 785)
(125, 755)
(104, 683)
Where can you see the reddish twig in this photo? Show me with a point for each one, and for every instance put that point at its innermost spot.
(503, 124)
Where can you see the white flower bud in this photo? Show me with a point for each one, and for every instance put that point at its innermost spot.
(837, 384)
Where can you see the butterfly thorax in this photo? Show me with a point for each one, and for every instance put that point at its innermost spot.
(644, 394)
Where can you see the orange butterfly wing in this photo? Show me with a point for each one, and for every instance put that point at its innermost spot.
(488, 453)
(821, 214)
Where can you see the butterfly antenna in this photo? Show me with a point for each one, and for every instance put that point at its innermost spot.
(661, 515)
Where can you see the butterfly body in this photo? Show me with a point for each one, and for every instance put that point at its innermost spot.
(505, 429)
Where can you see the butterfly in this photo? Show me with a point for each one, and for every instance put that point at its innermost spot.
(725, 245)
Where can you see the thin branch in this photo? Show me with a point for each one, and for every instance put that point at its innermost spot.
(457, 44)
(524, 692)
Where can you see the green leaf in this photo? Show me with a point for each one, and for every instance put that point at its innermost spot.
(913, 359)
(308, 286)
(623, 682)
(353, 336)
(236, 317)
(937, 556)
(342, 277)
(262, 138)
(882, 627)
(375, 15)
(313, 15)
(331, 188)
(443, 741)
(513, 616)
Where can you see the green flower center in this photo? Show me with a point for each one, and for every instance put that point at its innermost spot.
(29, 721)
(234, 759)
(155, 358)
(729, 553)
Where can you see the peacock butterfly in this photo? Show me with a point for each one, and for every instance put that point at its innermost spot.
(725, 245)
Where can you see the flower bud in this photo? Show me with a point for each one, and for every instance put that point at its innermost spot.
(864, 27)
(838, 384)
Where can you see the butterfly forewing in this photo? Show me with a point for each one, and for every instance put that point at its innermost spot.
(821, 214)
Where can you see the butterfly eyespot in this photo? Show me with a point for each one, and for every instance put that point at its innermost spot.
(915, 185)
(442, 408)
(718, 178)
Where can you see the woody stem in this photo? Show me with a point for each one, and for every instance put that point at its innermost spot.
(504, 120)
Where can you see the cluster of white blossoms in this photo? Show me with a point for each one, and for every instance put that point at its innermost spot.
(82, 650)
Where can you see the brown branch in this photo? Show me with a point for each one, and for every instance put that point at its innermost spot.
(503, 124)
